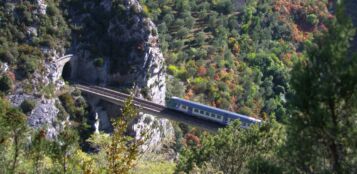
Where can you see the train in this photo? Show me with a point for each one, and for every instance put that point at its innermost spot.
(210, 113)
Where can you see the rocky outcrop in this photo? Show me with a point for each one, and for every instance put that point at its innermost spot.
(46, 79)
(42, 7)
(45, 114)
(131, 56)
(161, 132)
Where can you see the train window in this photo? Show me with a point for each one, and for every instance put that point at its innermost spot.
(207, 113)
(183, 107)
(195, 110)
(213, 115)
(220, 117)
(202, 112)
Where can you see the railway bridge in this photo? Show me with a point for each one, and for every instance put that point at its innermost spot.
(149, 107)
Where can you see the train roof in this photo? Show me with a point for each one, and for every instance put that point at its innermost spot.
(216, 109)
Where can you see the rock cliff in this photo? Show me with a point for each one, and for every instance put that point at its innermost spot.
(124, 54)
(41, 85)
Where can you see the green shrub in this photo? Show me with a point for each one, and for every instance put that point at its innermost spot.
(26, 66)
(312, 19)
(5, 84)
(172, 69)
(200, 84)
(68, 103)
(52, 10)
(27, 105)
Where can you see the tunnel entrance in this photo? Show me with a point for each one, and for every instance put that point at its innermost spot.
(66, 73)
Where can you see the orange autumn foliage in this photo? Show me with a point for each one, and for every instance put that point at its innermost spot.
(202, 71)
(300, 30)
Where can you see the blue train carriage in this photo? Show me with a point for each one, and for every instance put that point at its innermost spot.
(209, 113)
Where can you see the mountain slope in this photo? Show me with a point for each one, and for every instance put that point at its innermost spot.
(235, 55)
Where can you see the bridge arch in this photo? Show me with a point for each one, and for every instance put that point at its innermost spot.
(59, 65)
(67, 71)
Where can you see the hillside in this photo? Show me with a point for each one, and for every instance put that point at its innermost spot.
(235, 55)
(286, 62)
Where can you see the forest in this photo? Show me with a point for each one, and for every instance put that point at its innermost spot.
(289, 63)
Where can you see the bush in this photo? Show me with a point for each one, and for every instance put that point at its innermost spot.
(52, 10)
(200, 84)
(200, 39)
(68, 103)
(182, 32)
(172, 69)
(312, 19)
(26, 66)
(5, 84)
(27, 105)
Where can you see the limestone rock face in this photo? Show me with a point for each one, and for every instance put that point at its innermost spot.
(42, 7)
(131, 55)
(47, 75)
(45, 114)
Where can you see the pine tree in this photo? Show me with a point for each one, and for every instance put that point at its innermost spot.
(322, 131)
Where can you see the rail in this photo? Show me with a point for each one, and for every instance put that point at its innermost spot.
(149, 107)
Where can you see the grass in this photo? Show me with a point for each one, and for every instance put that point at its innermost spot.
(154, 166)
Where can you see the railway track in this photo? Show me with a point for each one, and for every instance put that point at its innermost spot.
(143, 102)
(149, 107)
(140, 103)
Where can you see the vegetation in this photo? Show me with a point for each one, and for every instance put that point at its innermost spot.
(236, 150)
(318, 136)
(5, 84)
(233, 54)
(27, 106)
(323, 121)
(118, 154)
(288, 62)
(24, 32)
(154, 166)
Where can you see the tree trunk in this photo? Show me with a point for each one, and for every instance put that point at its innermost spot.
(335, 148)
(16, 153)
(64, 165)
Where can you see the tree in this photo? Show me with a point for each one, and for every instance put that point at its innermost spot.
(14, 126)
(201, 37)
(64, 148)
(233, 149)
(189, 22)
(169, 18)
(5, 84)
(182, 33)
(38, 150)
(121, 150)
(4, 136)
(312, 19)
(322, 130)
